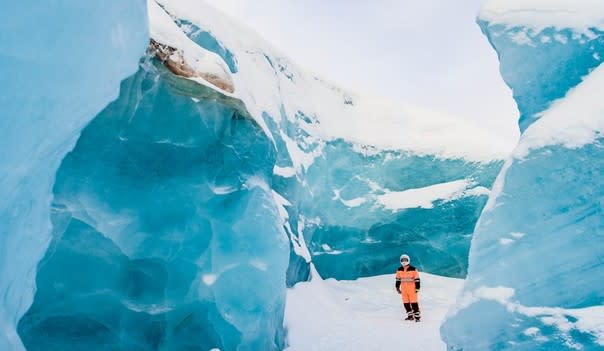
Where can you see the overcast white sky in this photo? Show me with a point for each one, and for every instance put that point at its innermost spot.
(428, 52)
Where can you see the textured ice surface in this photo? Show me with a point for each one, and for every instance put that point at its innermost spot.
(60, 65)
(536, 262)
(164, 206)
(559, 59)
(363, 211)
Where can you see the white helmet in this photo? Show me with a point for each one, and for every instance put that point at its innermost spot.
(405, 257)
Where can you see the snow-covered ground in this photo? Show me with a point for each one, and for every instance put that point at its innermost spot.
(366, 314)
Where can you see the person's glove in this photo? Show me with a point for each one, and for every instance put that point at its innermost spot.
(417, 290)
(398, 291)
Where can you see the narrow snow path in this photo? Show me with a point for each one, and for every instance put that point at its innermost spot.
(366, 314)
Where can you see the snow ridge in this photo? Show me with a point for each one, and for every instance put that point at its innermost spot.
(538, 14)
(272, 85)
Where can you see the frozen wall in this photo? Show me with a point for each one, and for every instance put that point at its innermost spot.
(60, 65)
(536, 261)
(165, 208)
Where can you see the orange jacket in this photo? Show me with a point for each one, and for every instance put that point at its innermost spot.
(407, 275)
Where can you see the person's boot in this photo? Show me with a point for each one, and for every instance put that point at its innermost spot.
(417, 316)
(409, 310)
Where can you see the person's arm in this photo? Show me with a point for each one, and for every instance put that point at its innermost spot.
(397, 284)
(417, 281)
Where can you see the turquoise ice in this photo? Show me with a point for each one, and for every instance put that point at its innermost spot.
(350, 240)
(536, 261)
(60, 65)
(165, 207)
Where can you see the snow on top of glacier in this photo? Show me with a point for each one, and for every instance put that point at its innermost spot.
(426, 196)
(355, 202)
(163, 30)
(417, 197)
(573, 121)
(538, 14)
(365, 314)
(268, 82)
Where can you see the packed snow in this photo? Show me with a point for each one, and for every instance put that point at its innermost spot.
(538, 14)
(366, 314)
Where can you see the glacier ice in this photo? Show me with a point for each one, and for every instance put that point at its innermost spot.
(175, 221)
(554, 53)
(60, 65)
(357, 231)
(536, 266)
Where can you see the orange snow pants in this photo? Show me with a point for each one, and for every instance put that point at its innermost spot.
(408, 293)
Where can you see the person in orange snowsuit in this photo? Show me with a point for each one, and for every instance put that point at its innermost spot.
(408, 284)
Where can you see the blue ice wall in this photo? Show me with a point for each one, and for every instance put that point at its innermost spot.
(61, 62)
(367, 240)
(536, 261)
(541, 67)
(164, 216)
(347, 242)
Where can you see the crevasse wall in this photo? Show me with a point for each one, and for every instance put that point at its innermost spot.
(536, 261)
(165, 208)
(60, 65)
